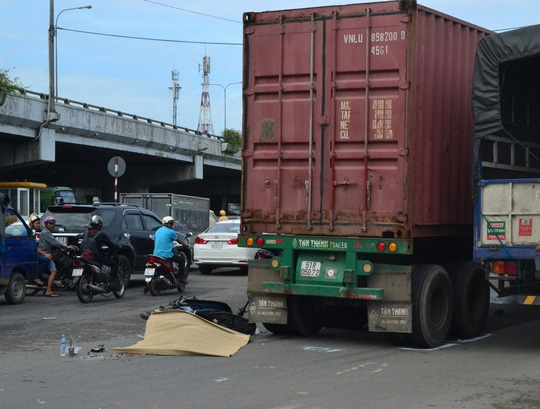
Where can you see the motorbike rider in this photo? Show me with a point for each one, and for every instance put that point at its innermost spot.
(47, 242)
(92, 252)
(163, 245)
(43, 261)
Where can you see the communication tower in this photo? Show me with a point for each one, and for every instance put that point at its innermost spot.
(176, 93)
(205, 115)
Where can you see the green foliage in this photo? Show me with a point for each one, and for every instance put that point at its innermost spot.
(233, 138)
(8, 85)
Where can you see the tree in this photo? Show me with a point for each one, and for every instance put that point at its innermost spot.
(9, 86)
(233, 138)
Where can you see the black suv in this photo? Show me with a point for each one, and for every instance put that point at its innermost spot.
(127, 225)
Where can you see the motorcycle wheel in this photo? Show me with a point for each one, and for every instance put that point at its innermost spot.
(84, 293)
(154, 286)
(120, 293)
(124, 269)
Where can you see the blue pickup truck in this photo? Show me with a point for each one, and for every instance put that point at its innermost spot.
(18, 254)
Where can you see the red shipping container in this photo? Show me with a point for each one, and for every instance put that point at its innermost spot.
(357, 121)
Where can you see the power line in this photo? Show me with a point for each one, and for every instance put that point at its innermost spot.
(145, 38)
(191, 11)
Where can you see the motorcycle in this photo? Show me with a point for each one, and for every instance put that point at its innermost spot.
(160, 274)
(215, 311)
(64, 261)
(91, 278)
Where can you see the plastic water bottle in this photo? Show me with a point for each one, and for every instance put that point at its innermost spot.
(63, 347)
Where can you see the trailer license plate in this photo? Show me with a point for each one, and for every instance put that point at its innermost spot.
(149, 272)
(77, 272)
(310, 269)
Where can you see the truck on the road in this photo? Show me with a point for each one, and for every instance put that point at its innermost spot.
(506, 106)
(18, 254)
(357, 171)
(191, 213)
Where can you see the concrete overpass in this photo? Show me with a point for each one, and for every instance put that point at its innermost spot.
(74, 148)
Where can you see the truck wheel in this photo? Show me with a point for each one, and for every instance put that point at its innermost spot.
(16, 289)
(471, 300)
(124, 268)
(303, 316)
(279, 329)
(398, 339)
(432, 305)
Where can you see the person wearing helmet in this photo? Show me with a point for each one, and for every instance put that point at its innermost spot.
(47, 243)
(43, 261)
(163, 245)
(92, 241)
(223, 216)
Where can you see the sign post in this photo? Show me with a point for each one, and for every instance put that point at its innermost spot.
(116, 167)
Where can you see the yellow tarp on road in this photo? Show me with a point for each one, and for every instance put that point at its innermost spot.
(178, 332)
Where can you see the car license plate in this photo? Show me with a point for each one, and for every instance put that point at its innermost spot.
(77, 272)
(149, 272)
(62, 240)
(217, 244)
(310, 269)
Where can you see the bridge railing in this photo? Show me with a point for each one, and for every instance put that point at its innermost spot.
(121, 114)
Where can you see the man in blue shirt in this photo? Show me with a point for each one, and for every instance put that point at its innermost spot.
(163, 245)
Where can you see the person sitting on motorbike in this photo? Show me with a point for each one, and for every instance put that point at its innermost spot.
(163, 245)
(101, 239)
(43, 261)
(47, 242)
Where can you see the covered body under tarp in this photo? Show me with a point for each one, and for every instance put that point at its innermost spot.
(506, 103)
(178, 332)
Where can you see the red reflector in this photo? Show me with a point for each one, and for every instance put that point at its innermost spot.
(510, 268)
(381, 246)
(233, 241)
(198, 240)
(259, 241)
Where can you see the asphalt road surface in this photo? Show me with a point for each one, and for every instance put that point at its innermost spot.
(336, 369)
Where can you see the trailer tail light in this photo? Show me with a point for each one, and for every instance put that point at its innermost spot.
(392, 247)
(504, 267)
(249, 241)
(510, 268)
(259, 241)
(497, 267)
(381, 246)
(234, 241)
(198, 240)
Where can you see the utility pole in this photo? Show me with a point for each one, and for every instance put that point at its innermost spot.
(51, 107)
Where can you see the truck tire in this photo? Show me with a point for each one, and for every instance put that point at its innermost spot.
(471, 300)
(16, 289)
(303, 317)
(432, 306)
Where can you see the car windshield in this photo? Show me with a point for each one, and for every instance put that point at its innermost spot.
(79, 221)
(224, 228)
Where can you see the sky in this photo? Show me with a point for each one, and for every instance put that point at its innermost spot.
(134, 75)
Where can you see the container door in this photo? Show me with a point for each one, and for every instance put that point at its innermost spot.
(325, 112)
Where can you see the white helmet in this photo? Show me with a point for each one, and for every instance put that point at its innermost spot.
(167, 219)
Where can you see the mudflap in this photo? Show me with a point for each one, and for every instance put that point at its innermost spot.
(265, 307)
(394, 313)
(268, 309)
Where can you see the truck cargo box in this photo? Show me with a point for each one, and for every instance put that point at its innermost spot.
(357, 121)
